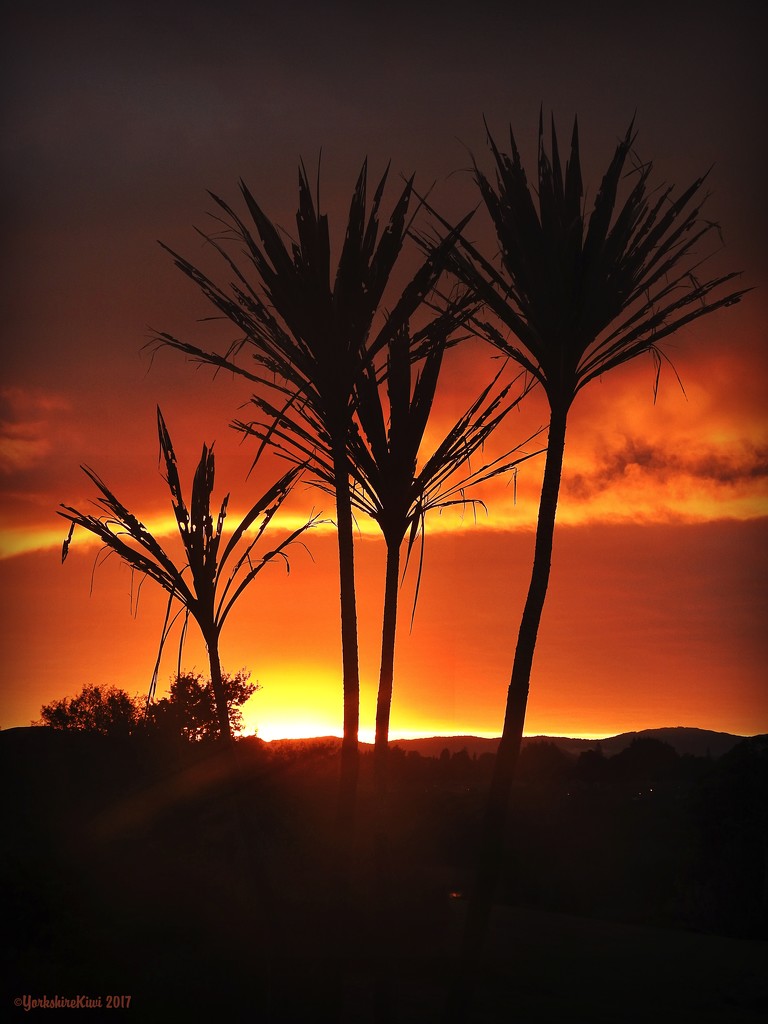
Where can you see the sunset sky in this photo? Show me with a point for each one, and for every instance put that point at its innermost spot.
(117, 121)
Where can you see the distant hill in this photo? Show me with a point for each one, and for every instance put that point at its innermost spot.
(699, 742)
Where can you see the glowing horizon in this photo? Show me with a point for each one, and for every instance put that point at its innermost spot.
(368, 738)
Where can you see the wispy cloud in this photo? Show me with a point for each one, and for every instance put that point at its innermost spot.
(655, 465)
(25, 426)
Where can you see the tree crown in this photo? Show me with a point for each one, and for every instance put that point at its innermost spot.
(583, 294)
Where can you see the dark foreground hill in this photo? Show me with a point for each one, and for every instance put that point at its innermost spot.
(634, 885)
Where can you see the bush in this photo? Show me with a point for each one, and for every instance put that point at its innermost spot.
(102, 709)
(190, 711)
(187, 712)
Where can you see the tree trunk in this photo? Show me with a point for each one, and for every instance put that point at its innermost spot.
(350, 764)
(387, 669)
(217, 685)
(258, 901)
(493, 827)
(342, 938)
(384, 930)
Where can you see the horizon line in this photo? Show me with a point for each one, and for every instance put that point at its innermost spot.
(496, 736)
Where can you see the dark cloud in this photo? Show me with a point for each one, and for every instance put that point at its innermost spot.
(739, 463)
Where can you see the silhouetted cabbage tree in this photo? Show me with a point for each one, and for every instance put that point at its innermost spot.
(397, 492)
(216, 572)
(570, 297)
(306, 333)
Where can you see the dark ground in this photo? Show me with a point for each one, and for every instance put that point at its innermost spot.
(636, 886)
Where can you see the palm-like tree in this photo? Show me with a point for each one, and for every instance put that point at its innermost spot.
(571, 298)
(309, 338)
(208, 585)
(398, 494)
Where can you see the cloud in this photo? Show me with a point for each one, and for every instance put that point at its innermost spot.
(25, 428)
(23, 399)
(741, 463)
(20, 452)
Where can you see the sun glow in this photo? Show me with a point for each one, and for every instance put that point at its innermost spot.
(297, 729)
(20, 541)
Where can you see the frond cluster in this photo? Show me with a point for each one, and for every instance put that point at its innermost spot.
(308, 336)
(581, 294)
(210, 581)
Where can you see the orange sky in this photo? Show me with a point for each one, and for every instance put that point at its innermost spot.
(655, 614)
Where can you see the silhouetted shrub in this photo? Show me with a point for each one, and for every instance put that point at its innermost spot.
(102, 709)
(190, 709)
(187, 713)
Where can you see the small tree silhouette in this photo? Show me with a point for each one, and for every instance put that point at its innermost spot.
(397, 493)
(103, 709)
(189, 710)
(215, 584)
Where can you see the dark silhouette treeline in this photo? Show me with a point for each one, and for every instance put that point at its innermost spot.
(125, 869)
(645, 835)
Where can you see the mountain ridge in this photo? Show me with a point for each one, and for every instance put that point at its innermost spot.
(684, 739)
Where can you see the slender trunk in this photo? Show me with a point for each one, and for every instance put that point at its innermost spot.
(340, 880)
(387, 670)
(350, 764)
(494, 822)
(258, 902)
(384, 931)
(217, 685)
